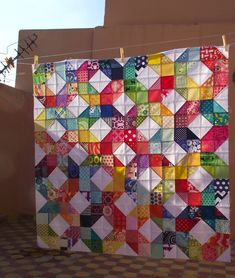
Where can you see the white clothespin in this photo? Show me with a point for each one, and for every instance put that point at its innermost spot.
(224, 39)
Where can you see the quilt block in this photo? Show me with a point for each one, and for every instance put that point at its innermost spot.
(132, 158)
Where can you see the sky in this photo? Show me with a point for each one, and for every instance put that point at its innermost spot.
(44, 14)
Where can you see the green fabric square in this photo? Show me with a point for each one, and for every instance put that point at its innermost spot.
(180, 81)
(96, 246)
(167, 134)
(221, 119)
(143, 110)
(142, 97)
(83, 123)
(83, 88)
(156, 250)
(208, 199)
(129, 86)
(169, 186)
(129, 72)
(180, 68)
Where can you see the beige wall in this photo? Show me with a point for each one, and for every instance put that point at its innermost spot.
(126, 12)
(16, 151)
(157, 24)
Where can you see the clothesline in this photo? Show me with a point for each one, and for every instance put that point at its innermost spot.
(128, 46)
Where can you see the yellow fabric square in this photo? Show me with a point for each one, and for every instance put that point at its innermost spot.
(194, 159)
(193, 94)
(181, 172)
(158, 188)
(154, 109)
(92, 138)
(169, 173)
(119, 179)
(41, 116)
(156, 68)
(86, 97)
(154, 59)
(94, 99)
(84, 136)
(143, 211)
(49, 123)
(109, 246)
(206, 93)
(167, 69)
(191, 83)
(39, 125)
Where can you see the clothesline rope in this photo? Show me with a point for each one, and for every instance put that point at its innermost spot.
(127, 46)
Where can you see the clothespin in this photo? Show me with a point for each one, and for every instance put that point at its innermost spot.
(224, 39)
(10, 62)
(122, 54)
(35, 63)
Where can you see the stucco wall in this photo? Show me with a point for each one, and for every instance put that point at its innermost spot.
(16, 151)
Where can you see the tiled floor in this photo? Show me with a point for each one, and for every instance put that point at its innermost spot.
(20, 258)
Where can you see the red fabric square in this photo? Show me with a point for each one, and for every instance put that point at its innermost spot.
(130, 135)
(156, 211)
(184, 224)
(51, 160)
(106, 99)
(181, 186)
(106, 148)
(142, 148)
(167, 82)
(94, 148)
(194, 199)
(51, 101)
(154, 96)
(155, 160)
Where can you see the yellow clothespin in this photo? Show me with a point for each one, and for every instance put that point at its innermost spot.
(35, 63)
(122, 54)
(10, 62)
(224, 39)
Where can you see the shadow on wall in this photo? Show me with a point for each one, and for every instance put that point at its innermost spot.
(16, 151)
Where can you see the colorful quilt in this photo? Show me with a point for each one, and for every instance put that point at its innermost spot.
(132, 158)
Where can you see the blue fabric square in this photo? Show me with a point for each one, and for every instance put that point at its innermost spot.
(106, 110)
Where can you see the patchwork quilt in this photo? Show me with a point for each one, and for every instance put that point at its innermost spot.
(132, 157)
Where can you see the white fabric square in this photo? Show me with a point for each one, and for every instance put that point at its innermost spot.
(125, 204)
(57, 178)
(59, 225)
(102, 227)
(124, 153)
(200, 178)
(56, 130)
(175, 205)
(79, 202)
(150, 230)
(101, 179)
(202, 232)
(78, 154)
